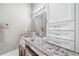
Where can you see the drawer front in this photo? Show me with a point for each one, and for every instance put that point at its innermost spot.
(68, 35)
(62, 43)
(61, 26)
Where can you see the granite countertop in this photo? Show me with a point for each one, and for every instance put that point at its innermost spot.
(49, 49)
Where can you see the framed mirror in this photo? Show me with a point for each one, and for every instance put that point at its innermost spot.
(40, 21)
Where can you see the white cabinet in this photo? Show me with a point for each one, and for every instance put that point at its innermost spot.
(59, 12)
(60, 24)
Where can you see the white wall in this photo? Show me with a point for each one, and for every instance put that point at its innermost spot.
(18, 16)
(36, 6)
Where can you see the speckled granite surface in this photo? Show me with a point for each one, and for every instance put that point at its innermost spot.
(50, 49)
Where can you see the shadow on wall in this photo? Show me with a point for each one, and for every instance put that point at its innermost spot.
(2, 37)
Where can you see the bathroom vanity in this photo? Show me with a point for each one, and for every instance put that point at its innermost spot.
(61, 20)
(59, 23)
(30, 46)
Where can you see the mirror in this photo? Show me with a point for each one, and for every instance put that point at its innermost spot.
(40, 23)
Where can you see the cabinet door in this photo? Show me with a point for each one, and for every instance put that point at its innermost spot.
(61, 12)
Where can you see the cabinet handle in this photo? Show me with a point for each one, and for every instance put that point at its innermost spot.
(56, 26)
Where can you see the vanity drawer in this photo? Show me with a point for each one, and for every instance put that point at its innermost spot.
(61, 26)
(62, 43)
(67, 35)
